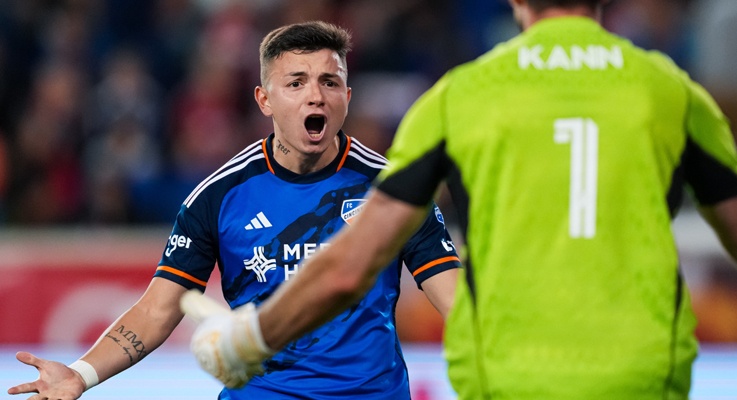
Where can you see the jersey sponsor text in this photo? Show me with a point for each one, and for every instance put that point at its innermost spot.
(176, 241)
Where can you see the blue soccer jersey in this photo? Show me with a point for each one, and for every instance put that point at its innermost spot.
(258, 221)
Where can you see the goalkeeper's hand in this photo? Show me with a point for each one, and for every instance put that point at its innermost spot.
(227, 344)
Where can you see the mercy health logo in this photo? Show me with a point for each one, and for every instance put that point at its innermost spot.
(350, 209)
(293, 254)
(260, 264)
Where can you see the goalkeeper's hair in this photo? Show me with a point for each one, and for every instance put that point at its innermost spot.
(305, 37)
(543, 4)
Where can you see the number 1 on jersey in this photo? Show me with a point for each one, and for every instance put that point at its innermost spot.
(583, 135)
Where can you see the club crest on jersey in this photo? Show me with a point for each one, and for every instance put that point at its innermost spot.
(259, 264)
(439, 215)
(350, 209)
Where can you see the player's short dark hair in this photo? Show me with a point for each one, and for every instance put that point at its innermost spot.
(543, 4)
(305, 37)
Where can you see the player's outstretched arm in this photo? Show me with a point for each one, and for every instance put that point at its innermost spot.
(440, 289)
(341, 274)
(723, 219)
(134, 335)
(230, 345)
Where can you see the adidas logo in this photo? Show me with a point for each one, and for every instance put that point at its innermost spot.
(259, 222)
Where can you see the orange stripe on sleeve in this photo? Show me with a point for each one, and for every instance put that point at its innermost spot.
(268, 163)
(345, 155)
(434, 263)
(183, 275)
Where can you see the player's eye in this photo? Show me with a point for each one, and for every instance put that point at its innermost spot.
(331, 84)
(294, 84)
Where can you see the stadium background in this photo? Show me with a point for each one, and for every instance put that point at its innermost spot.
(111, 111)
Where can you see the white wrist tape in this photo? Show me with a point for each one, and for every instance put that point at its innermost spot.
(247, 337)
(257, 335)
(87, 371)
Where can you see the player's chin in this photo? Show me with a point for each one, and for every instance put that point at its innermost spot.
(318, 144)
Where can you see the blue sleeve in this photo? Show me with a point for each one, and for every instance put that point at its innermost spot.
(430, 250)
(191, 250)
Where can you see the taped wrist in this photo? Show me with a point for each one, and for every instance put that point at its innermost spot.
(87, 371)
(247, 338)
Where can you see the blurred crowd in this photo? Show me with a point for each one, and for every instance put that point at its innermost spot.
(111, 111)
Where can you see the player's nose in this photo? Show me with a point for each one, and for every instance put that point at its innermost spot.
(315, 95)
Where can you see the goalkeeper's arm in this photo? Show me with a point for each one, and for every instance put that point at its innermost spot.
(232, 345)
(137, 332)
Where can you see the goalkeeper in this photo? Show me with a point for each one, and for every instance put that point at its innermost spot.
(270, 207)
(567, 149)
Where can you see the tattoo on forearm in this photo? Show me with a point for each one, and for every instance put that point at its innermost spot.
(130, 343)
(281, 147)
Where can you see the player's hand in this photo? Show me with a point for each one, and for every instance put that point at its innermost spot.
(56, 380)
(226, 344)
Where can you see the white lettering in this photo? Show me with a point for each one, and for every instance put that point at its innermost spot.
(613, 56)
(528, 56)
(176, 241)
(290, 271)
(595, 57)
(288, 251)
(589, 57)
(447, 244)
(558, 59)
(310, 249)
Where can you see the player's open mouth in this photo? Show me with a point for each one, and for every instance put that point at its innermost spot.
(314, 125)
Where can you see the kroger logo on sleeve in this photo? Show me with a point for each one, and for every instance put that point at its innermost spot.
(175, 242)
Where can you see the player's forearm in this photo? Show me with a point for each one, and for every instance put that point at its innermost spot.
(318, 294)
(137, 332)
(127, 341)
(339, 276)
(723, 219)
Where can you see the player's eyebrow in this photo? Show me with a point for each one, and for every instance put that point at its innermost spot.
(324, 75)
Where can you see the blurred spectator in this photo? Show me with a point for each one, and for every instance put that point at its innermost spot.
(4, 177)
(654, 25)
(177, 24)
(378, 102)
(46, 175)
(716, 27)
(123, 130)
(205, 120)
(66, 34)
(173, 84)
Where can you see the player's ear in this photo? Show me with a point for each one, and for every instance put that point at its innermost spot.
(262, 98)
(348, 95)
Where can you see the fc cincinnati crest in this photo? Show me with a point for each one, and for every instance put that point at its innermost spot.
(350, 209)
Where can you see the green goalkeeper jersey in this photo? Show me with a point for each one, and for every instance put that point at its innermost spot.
(566, 150)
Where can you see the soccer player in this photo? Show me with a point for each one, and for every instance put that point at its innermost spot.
(261, 214)
(566, 148)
